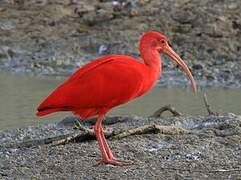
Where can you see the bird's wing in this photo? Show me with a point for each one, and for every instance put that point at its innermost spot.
(90, 66)
(106, 82)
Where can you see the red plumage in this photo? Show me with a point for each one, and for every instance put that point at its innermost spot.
(110, 81)
(97, 87)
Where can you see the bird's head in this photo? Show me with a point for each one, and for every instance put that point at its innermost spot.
(156, 41)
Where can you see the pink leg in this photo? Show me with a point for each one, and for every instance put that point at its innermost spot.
(100, 142)
(107, 155)
(107, 148)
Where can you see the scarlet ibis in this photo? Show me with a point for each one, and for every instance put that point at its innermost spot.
(109, 81)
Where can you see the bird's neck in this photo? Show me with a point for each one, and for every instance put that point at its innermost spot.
(152, 60)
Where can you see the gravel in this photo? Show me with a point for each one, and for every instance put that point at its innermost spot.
(210, 151)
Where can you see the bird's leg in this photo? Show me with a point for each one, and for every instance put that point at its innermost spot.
(111, 159)
(109, 152)
(105, 152)
(97, 130)
(107, 148)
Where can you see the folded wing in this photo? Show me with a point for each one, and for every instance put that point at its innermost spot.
(102, 84)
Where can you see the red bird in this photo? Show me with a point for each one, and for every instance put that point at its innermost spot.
(109, 81)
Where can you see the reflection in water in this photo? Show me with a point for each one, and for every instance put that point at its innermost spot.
(20, 95)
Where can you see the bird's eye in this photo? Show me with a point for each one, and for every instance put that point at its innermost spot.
(162, 42)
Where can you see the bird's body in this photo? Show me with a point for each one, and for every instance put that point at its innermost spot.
(108, 82)
(101, 85)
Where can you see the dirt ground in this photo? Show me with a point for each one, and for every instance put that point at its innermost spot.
(210, 150)
(55, 37)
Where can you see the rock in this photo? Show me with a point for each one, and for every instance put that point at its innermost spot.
(103, 49)
(198, 66)
(99, 15)
(7, 25)
(84, 9)
(184, 16)
(143, 2)
(183, 28)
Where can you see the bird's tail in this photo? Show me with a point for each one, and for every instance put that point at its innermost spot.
(45, 111)
(51, 104)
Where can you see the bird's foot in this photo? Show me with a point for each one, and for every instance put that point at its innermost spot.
(115, 162)
(123, 162)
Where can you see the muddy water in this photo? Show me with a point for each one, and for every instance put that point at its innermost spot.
(19, 96)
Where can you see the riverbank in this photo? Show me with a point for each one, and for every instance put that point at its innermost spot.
(207, 148)
(57, 37)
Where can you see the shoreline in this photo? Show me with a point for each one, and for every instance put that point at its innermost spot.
(209, 148)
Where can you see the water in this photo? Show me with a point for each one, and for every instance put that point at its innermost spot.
(20, 95)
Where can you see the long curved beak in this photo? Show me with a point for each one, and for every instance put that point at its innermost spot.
(174, 56)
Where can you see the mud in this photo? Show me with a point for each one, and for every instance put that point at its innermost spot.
(55, 37)
(212, 150)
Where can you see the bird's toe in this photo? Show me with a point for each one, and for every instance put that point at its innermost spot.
(115, 162)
